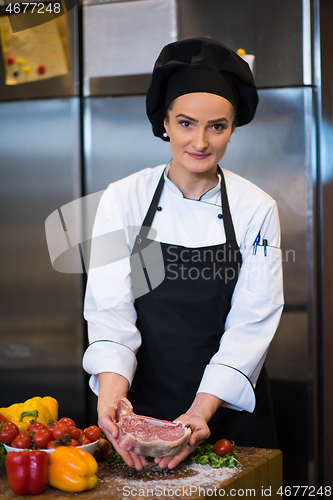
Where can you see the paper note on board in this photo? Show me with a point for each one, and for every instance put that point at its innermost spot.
(34, 54)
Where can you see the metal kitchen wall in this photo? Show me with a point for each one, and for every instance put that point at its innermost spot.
(42, 336)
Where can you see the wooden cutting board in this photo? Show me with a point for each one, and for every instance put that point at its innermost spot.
(260, 477)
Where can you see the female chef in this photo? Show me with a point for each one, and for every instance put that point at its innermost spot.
(191, 346)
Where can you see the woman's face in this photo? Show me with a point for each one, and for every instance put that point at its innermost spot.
(199, 126)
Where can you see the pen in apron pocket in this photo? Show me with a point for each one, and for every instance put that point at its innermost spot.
(256, 243)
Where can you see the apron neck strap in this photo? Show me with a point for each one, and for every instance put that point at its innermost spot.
(227, 221)
(152, 209)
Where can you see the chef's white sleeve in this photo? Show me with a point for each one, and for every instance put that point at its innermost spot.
(113, 337)
(256, 308)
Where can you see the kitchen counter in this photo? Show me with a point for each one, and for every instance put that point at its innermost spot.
(260, 477)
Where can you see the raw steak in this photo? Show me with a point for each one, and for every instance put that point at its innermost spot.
(147, 436)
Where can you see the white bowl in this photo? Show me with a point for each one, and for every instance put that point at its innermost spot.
(90, 448)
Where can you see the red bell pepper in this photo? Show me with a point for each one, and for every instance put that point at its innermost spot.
(27, 471)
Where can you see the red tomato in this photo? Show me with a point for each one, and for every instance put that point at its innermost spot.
(37, 426)
(82, 434)
(222, 447)
(3, 419)
(52, 445)
(67, 421)
(51, 426)
(93, 432)
(75, 433)
(74, 442)
(8, 432)
(61, 430)
(22, 441)
(42, 438)
(85, 440)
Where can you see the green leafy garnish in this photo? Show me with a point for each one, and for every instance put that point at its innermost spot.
(203, 455)
(2, 454)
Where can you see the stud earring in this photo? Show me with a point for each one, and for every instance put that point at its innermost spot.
(165, 134)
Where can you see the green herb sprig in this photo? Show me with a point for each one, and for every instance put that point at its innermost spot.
(203, 455)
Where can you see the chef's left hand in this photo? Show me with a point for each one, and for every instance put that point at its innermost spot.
(202, 409)
(200, 431)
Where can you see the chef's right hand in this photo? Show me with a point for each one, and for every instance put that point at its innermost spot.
(107, 422)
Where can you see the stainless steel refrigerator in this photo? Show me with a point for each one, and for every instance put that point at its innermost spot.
(41, 327)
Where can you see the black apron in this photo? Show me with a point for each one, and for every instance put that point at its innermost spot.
(181, 322)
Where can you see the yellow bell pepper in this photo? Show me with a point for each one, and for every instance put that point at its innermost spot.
(52, 405)
(72, 469)
(32, 409)
(9, 412)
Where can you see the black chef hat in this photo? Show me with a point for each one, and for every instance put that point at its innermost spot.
(200, 65)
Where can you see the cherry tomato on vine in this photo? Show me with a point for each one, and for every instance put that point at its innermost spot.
(42, 438)
(61, 430)
(52, 445)
(93, 432)
(21, 441)
(3, 419)
(74, 442)
(36, 426)
(52, 425)
(74, 432)
(67, 421)
(8, 432)
(85, 440)
(222, 447)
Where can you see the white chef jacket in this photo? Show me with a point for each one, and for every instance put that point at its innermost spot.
(257, 300)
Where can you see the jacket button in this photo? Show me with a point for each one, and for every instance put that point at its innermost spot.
(159, 208)
(220, 216)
